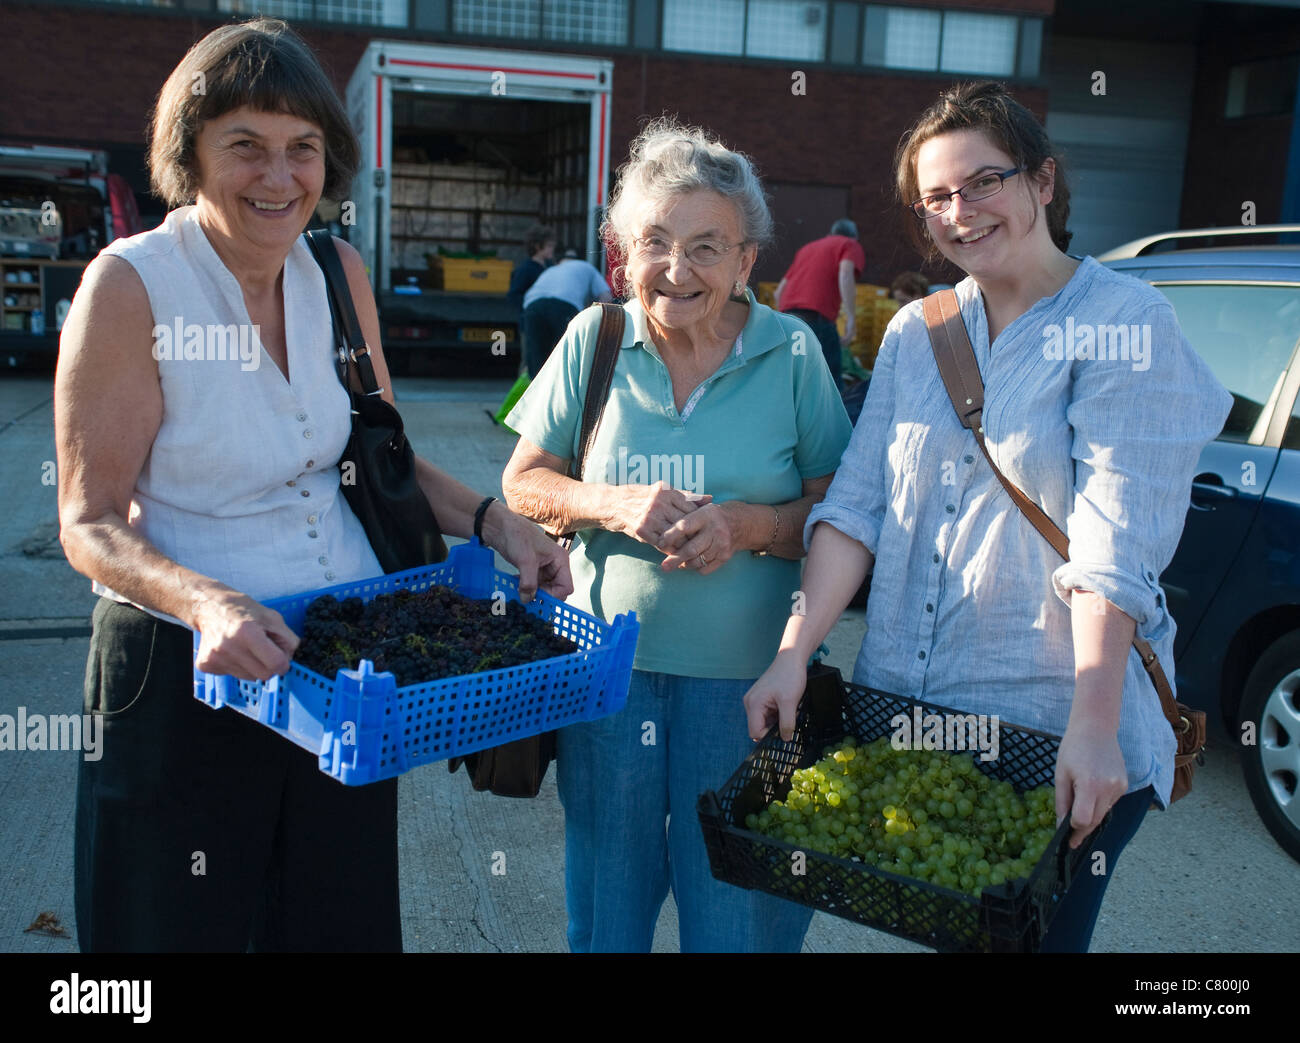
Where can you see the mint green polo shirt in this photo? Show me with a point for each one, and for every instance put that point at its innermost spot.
(767, 419)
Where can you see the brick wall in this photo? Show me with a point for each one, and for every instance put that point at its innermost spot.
(843, 131)
(87, 76)
(90, 76)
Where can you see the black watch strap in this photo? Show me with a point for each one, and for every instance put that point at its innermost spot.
(478, 518)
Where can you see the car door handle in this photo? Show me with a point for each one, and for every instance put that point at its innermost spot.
(1208, 490)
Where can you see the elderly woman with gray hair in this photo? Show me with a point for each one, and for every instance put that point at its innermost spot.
(721, 430)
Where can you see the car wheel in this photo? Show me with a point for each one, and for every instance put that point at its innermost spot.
(1271, 704)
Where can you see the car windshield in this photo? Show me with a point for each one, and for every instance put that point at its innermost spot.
(1247, 334)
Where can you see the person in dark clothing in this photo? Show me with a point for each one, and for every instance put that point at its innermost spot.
(557, 295)
(540, 244)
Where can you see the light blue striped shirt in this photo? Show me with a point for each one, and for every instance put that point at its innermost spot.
(968, 602)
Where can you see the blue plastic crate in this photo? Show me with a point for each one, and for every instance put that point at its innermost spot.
(365, 728)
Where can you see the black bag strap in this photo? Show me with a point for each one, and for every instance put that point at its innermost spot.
(351, 341)
(608, 342)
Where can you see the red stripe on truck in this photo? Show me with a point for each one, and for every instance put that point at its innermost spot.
(600, 156)
(491, 68)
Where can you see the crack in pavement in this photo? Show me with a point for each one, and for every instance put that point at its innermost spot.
(460, 856)
(22, 416)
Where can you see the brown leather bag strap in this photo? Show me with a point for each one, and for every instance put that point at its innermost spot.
(960, 371)
(608, 342)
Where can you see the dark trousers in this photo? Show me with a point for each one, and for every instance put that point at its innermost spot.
(829, 336)
(545, 321)
(1071, 929)
(202, 830)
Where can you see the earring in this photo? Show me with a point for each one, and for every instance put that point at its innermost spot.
(740, 289)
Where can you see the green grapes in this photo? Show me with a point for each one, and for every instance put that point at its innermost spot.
(926, 814)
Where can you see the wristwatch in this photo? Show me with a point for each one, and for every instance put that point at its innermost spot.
(478, 518)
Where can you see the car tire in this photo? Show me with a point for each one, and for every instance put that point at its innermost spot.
(1270, 702)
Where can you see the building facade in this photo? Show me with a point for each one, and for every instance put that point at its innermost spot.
(1191, 118)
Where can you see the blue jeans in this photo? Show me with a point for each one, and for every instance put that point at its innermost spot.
(629, 785)
(1071, 929)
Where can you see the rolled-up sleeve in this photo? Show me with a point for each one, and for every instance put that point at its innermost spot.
(855, 502)
(1137, 437)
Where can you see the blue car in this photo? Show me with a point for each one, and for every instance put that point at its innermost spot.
(1234, 584)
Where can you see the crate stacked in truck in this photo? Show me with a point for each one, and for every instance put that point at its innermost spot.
(460, 206)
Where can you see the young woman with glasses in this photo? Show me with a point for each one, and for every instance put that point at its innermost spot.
(970, 607)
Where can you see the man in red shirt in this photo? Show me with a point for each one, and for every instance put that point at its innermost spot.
(820, 282)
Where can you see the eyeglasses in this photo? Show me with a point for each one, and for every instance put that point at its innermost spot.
(703, 252)
(981, 188)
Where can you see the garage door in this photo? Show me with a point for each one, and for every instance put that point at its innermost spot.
(1125, 149)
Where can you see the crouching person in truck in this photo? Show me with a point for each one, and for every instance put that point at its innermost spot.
(191, 488)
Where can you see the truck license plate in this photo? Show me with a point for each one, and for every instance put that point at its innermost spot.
(481, 333)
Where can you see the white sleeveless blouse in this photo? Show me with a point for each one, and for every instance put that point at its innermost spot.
(242, 481)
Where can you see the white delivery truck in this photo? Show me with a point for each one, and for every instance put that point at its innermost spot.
(463, 149)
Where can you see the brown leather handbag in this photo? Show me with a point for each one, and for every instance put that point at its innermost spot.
(961, 377)
(516, 769)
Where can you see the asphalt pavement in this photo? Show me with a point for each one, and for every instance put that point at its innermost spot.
(1203, 877)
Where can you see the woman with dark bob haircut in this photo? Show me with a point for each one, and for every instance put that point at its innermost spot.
(970, 607)
(196, 483)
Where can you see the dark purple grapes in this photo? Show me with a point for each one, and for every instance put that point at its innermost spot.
(424, 636)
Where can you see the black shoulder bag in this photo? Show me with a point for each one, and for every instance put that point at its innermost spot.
(377, 469)
(516, 769)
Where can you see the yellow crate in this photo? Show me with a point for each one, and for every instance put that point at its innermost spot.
(874, 310)
(867, 296)
(465, 276)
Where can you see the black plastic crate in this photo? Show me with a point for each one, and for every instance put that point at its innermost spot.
(1009, 917)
